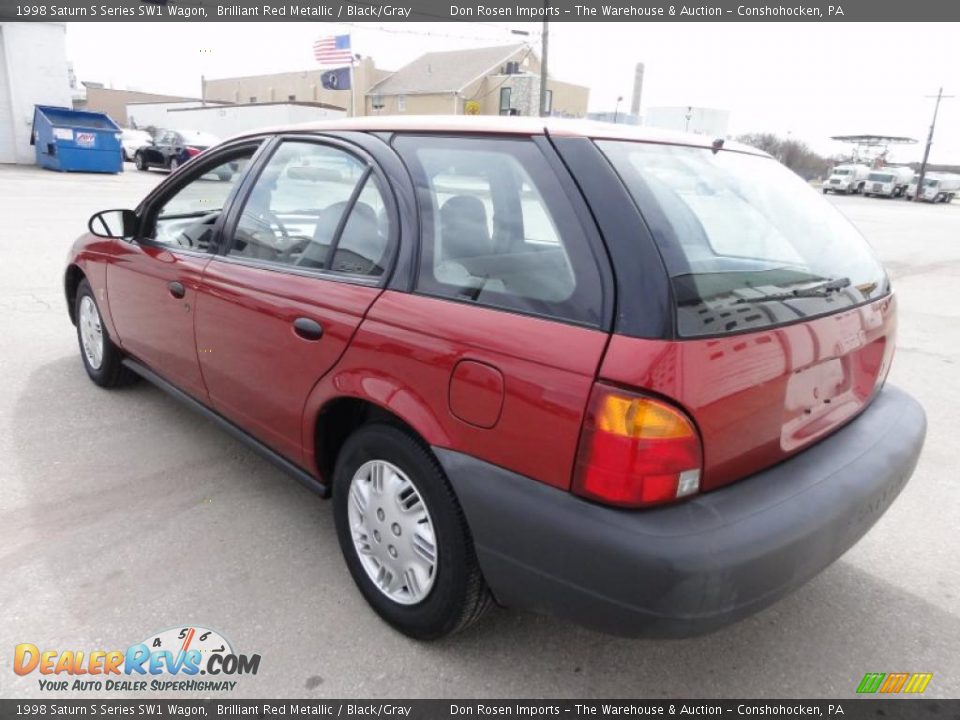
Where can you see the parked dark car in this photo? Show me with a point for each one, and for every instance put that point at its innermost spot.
(635, 379)
(172, 148)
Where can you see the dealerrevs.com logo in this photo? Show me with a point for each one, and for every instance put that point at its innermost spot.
(168, 661)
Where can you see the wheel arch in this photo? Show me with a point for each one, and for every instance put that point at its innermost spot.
(72, 278)
(340, 416)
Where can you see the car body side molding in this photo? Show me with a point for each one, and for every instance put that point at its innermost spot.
(264, 451)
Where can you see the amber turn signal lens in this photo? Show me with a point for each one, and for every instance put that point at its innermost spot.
(641, 418)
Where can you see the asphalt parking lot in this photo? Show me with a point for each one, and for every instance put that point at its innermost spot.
(122, 513)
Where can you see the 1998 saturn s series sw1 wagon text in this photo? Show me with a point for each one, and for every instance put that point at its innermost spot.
(636, 380)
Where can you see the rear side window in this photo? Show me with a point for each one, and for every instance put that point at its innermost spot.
(746, 242)
(315, 207)
(497, 229)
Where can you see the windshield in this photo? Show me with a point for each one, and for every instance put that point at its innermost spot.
(838, 171)
(930, 183)
(880, 177)
(747, 243)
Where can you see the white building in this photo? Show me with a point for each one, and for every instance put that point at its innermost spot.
(33, 71)
(225, 120)
(689, 118)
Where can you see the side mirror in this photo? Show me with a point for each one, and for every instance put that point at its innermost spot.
(118, 224)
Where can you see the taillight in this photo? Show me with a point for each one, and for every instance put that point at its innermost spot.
(193, 152)
(636, 451)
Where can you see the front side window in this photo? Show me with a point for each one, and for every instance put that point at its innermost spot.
(498, 229)
(316, 207)
(186, 219)
(747, 243)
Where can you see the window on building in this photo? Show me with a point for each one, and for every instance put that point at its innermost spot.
(253, 98)
(505, 100)
(401, 103)
(549, 108)
(291, 98)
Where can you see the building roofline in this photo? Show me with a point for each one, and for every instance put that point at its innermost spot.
(373, 88)
(303, 103)
(516, 49)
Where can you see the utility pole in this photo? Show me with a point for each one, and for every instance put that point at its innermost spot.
(544, 43)
(926, 152)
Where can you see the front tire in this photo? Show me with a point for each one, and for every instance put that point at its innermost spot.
(101, 358)
(141, 162)
(404, 535)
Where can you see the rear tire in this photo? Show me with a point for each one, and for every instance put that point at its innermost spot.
(101, 358)
(173, 164)
(378, 542)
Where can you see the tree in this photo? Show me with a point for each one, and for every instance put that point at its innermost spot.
(795, 154)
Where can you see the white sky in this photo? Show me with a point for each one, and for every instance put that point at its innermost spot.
(811, 80)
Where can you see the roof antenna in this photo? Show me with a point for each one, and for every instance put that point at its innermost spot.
(717, 145)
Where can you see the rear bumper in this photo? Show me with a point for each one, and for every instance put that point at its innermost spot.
(696, 566)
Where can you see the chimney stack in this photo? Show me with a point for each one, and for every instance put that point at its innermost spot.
(637, 89)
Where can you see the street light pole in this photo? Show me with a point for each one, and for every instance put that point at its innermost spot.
(926, 152)
(616, 110)
(544, 47)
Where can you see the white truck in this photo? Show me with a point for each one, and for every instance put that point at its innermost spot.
(937, 187)
(848, 179)
(888, 182)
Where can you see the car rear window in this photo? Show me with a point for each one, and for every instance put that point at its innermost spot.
(746, 242)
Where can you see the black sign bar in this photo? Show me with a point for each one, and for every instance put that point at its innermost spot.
(484, 11)
(855, 709)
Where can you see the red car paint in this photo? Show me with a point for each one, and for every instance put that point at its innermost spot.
(404, 355)
(244, 330)
(760, 397)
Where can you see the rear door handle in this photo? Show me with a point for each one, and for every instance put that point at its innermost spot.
(308, 329)
(176, 289)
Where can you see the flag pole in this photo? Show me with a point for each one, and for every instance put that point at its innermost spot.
(353, 92)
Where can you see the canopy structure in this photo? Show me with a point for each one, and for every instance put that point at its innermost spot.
(873, 149)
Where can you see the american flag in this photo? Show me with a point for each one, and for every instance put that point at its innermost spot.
(333, 50)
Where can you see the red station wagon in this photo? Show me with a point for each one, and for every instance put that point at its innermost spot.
(634, 379)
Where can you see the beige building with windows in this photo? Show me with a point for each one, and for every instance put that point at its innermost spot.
(502, 80)
(301, 86)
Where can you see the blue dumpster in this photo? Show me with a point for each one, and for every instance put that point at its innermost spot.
(76, 140)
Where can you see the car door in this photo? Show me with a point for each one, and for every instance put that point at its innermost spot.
(504, 332)
(152, 282)
(155, 152)
(306, 253)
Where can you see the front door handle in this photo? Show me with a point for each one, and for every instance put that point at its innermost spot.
(177, 289)
(308, 329)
